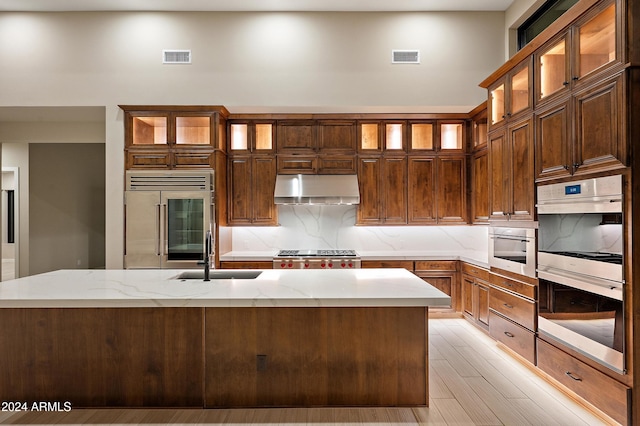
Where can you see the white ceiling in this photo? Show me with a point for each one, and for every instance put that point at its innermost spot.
(254, 5)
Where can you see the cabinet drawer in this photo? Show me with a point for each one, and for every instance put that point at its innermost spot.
(607, 394)
(406, 264)
(246, 265)
(436, 265)
(518, 339)
(292, 164)
(192, 159)
(148, 159)
(515, 308)
(475, 271)
(336, 164)
(527, 290)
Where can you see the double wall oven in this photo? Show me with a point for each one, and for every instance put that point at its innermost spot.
(581, 267)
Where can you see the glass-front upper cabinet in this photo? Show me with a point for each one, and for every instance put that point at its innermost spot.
(553, 68)
(421, 136)
(587, 48)
(369, 136)
(163, 129)
(451, 137)
(596, 41)
(394, 137)
(510, 95)
(252, 137)
(436, 136)
(381, 135)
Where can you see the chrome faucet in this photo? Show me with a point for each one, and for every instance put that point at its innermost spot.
(207, 255)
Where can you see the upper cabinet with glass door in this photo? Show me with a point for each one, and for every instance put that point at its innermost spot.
(168, 129)
(436, 136)
(587, 49)
(172, 126)
(251, 137)
(379, 136)
(510, 96)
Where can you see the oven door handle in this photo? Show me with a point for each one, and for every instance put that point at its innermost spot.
(501, 237)
(603, 287)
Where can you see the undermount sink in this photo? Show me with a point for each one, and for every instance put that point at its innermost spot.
(219, 275)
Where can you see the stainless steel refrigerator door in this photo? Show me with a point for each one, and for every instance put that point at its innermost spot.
(186, 218)
(143, 242)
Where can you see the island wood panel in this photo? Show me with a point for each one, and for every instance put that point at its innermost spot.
(107, 357)
(315, 356)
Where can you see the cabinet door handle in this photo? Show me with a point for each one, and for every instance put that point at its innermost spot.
(506, 305)
(508, 284)
(566, 167)
(576, 165)
(565, 83)
(577, 379)
(575, 78)
(510, 335)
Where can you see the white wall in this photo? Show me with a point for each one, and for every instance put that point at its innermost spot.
(17, 155)
(288, 62)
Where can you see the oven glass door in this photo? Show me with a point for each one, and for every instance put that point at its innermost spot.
(513, 249)
(590, 323)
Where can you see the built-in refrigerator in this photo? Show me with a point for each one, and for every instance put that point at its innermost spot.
(167, 216)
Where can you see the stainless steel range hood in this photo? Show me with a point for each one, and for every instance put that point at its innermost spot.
(317, 189)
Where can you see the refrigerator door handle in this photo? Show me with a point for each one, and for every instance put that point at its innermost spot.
(158, 232)
(164, 229)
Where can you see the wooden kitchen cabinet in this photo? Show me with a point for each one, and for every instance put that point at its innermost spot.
(600, 134)
(606, 393)
(586, 51)
(443, 275)
(479, 192)
(382, 190)
(511, 172)
(583, 133)
(296, 137)
(237, 264)
(478, 167)
(369, 137)
(513, 313)
(405, 264)
(337, 137)
(421, 186)
(316, 147)
(394, 177)
(172, 137)
(251, 137)
(510, 97)
(251, 183)
(475, 294)
(579, 89)
(451, 198)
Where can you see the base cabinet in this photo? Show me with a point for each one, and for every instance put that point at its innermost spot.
(443, 275)
(475, 294)
(607, 394)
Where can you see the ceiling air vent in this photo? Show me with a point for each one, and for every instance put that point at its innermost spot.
(176, 56)
(405, 56)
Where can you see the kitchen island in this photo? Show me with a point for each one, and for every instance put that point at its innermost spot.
(145, 338)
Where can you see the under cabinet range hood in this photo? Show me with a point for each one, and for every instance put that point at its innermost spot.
(317, 189)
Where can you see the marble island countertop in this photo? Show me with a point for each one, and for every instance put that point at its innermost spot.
(272, 288)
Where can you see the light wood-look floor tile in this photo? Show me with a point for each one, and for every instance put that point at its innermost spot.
(472, 382)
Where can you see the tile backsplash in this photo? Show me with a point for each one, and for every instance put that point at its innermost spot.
(333, 227)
